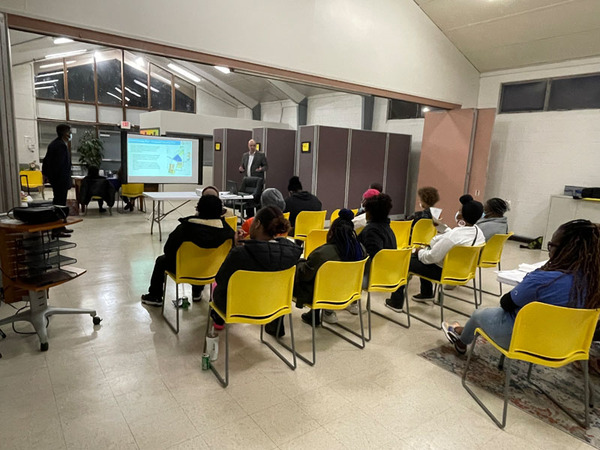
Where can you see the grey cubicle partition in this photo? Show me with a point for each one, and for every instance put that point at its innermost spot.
(339, 164)
(232, 145)
(279, 146)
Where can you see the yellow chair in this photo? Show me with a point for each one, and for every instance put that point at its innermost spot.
(232, 222)
(330, 293)
(460, 265)
(548, 335)
(133, 191)
(490, 257)
(389, 271)
(286, 215)
(422, 233)
(401, 229)
(256, 298)
(355, 211)
(315, 239)
(306, 221)
(33, 179)
(197, 266)
(334, 215)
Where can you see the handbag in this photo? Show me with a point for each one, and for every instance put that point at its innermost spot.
(40, 214)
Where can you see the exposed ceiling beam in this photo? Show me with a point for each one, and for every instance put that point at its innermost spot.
(244, 99)
(294, 95)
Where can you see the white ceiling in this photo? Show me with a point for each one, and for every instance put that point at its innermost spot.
(506, 34)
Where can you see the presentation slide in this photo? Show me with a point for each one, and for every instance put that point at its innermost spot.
(156, 159)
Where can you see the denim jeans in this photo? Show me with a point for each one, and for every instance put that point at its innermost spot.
(497, 324)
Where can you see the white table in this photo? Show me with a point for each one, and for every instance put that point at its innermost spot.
(515, 276)
(158, 213)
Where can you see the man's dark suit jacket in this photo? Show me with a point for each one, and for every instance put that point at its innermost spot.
(57, 164)
(260, 160)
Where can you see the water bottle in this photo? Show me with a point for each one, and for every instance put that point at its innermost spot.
(212, 344)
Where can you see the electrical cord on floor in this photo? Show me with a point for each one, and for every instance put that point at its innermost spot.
(26, 332)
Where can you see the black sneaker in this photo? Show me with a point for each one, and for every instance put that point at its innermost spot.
(271, 328)
(148, 299)
(422, 298)
(307, 318)
(102, 210)
(394, 305)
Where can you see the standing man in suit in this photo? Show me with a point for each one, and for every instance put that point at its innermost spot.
(254, 163)
(57, 165)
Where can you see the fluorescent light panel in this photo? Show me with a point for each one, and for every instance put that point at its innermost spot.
(113, 95)
(45, 82)
(43, 87)
(64, 54)
(48, 74)
(185, 73)
(139, 83)
(132, 92)
(223, 69)
(62, 40)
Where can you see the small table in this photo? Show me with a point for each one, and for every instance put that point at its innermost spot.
(158, 213)
(515, 276)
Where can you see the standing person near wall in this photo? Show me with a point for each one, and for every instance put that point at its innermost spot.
(254, 163)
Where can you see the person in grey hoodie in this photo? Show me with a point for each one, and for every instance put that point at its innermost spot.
(493, 220)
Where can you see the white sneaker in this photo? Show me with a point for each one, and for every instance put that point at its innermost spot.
(329, 316)
(352, 308)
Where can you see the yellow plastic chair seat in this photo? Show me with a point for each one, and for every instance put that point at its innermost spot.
(548, 335)
(422, 233)
(401, 229)
(306, 221)
(315, 239)
(232, 222)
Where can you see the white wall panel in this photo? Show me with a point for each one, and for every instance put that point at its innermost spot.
(51, 110)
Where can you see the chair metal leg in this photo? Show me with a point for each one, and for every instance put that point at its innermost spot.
(440, 295)
(479, 402)
(369, 310)
(349, 330)
(298, 354)
(274, 350)
(224, 381)
(176, 327)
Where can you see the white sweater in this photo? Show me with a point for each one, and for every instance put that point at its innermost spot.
(443, 242)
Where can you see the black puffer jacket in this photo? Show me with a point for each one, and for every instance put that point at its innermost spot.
(377, 236)
(264, 256)
(301, 201)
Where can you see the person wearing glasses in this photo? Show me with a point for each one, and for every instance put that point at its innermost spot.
(571, 278)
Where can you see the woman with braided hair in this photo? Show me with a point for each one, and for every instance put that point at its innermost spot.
(571, 278)
(342, 245)
(493, 221)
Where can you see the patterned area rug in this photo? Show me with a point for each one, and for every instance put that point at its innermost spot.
(564, 384)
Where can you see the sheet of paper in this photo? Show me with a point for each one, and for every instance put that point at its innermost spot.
(435, 212)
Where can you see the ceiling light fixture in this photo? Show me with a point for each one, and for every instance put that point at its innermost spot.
(44, 87)
(64, 54)
(48, 74)
(153, 89)
(425, 109)
(45, 82)
(139, 83)
(47, 66)
(185, 73)
(128, 99)
(223, 69)
(177, 86)
(140, 61)
(132, 92)
(62, 40)
(118, 89)
(113, 95)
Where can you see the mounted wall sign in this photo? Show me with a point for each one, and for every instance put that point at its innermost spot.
(305, 147)
(150, 132)
(217, 146)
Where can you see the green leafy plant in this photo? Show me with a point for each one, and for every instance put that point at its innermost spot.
(90, 149)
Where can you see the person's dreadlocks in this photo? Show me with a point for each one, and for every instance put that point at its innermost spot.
(578, 253)
(342, 235)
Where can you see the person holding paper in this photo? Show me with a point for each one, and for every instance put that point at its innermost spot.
(571, 278)
(428, 197)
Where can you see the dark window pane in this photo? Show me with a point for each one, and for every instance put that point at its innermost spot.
(160, 85)
(49, 80)
(575, 93)
(400, 109)
(523, 97)
(108, 67)
(135, 74)
(80, 76)
(185, 95)
(46, 134)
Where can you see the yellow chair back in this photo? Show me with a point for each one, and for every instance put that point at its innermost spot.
(338, 283)
(132, 189)
(550, 335)
(306, 221)
(401, 229)
(286, 215)
(232, 222)
(33, 178)
(389, 270)
(460, 265)
(259, 297)
(199, 266)
(492, 251)
(334, 215)
(423, 232)
(315, 239)
(355, 211)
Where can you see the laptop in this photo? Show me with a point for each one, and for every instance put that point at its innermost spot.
(232, 187)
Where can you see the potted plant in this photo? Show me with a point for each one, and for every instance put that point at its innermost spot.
(91, 150)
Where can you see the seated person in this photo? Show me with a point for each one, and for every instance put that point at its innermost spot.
(269, 197)
(262, 252)
(206, 229)
(211, 190)
(571, 277)
(428, 261)
(95, 185)
(428, 197)
(342, 245)
(360, 220)
(493, 221)
(377, 235)
(300, 200)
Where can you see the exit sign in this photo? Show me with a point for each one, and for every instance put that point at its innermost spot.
(125, 125)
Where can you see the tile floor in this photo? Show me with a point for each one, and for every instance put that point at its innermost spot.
(132, 383)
